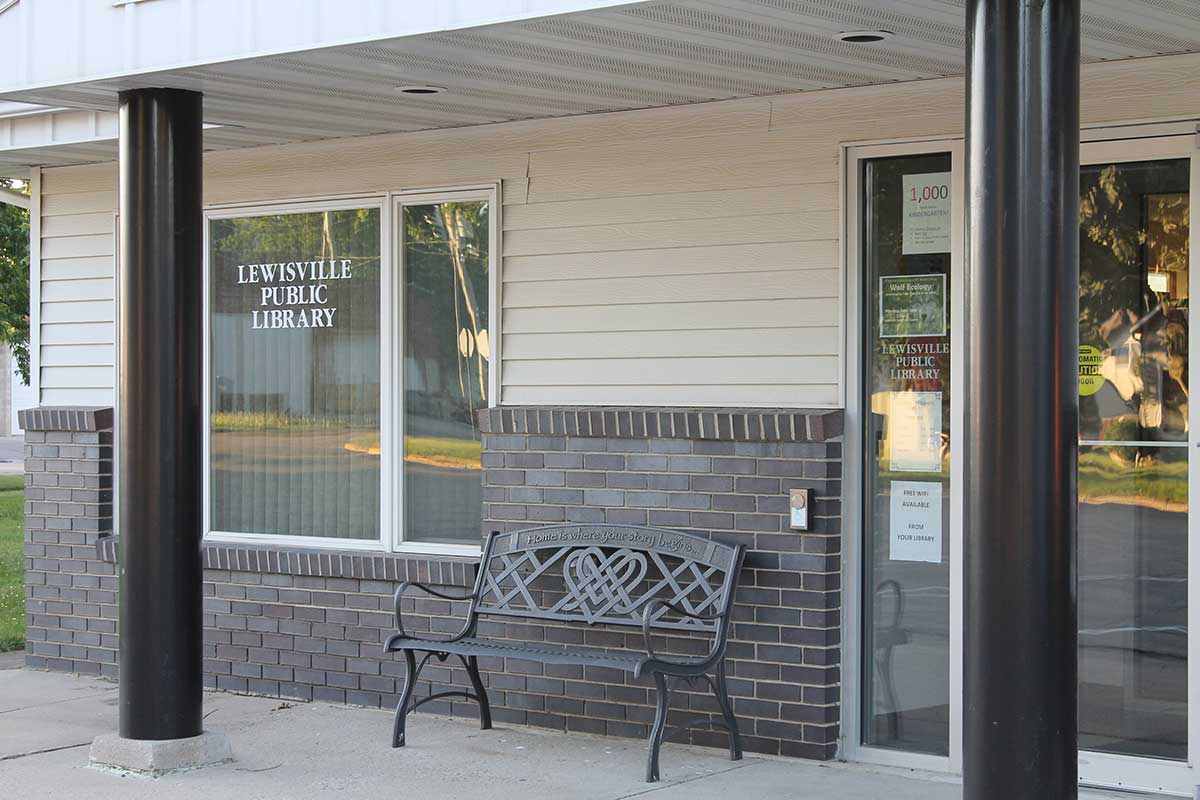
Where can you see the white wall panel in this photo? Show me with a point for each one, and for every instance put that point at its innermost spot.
(100, 222)
(78, 266)
(68, 269)
(754, 201)
(753, 314)
(77, 355)
(767, 394)
(69, 396)
(77, 333)
(66, 291)
(59, 313)
(78, 203)
(674, 233)
(715, 342)
(737, 285)
(100, 244)
(815, 255)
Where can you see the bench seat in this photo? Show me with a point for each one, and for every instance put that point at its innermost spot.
(627, 660)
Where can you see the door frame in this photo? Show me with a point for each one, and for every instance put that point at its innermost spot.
(850, 741)
(1115, 144)
(1110, 770)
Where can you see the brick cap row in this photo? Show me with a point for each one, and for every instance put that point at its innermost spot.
(66, 418)
(325, 563)
(716, 424)
(626, 422)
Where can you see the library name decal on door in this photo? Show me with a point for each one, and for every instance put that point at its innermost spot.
(294, 294)
(916, 361)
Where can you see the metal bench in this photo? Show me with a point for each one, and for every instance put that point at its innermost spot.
(662, 581)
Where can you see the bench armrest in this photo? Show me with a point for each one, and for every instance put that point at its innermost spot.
(648, 617)
(404, 585)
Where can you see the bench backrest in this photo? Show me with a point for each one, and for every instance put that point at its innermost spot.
(606, 574)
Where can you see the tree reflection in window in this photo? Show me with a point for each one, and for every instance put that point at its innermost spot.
(446, 353)
(1134, 252)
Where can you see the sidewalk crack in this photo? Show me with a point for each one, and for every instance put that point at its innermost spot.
(57, 702)
(15, 756)
(661, 786)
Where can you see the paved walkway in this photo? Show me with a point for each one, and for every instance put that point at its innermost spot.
(12, 455)
(311, 750)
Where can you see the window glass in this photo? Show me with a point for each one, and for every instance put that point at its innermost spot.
(906, 552)
(1133, 457)
(295, 374)
(446, 349)
(1133, 300)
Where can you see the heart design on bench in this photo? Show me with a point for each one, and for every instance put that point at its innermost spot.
(600, 583)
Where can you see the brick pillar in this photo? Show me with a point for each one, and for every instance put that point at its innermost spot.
(70, 592)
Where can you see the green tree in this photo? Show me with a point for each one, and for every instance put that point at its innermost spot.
(14, 277)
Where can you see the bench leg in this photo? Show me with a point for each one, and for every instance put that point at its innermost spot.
(722, 693)
(485, 709)
(660, 724)
(889, 693)
(402, 707)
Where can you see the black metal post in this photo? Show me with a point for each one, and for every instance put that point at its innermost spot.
(1020, 726)
(160, 313)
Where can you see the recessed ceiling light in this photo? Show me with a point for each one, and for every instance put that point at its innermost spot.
(863, 37)
(421, 89)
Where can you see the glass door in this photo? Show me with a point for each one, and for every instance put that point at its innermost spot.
(903, 621)
(1134, 441)
(904, 574)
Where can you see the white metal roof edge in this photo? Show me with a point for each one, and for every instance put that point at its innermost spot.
(14, 198)
(532, 10)
(11, 108)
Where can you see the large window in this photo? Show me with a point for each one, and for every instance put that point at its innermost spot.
(347, 359)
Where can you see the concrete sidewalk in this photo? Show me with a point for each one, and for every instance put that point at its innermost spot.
(12, 455)
(310, 750)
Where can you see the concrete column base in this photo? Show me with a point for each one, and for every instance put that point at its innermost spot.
(160, 756)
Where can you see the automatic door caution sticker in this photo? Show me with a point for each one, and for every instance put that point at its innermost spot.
(1090, 379)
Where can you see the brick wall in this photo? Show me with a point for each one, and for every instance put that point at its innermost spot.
(720, 473)
(70, 594)
(308, 624)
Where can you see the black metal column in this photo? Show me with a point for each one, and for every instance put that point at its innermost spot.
(1023, 312)
(160, 312)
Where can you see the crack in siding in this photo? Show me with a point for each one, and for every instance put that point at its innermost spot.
(528, 169)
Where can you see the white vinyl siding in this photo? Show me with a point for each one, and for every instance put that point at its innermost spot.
(77, 289)
(674, 256)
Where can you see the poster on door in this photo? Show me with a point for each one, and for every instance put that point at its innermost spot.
(914, 432)
(916, 521)
(912, 305)
(926, 213)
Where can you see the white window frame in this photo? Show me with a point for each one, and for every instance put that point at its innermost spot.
(851, 747)
(491, 195)
(391, 326)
